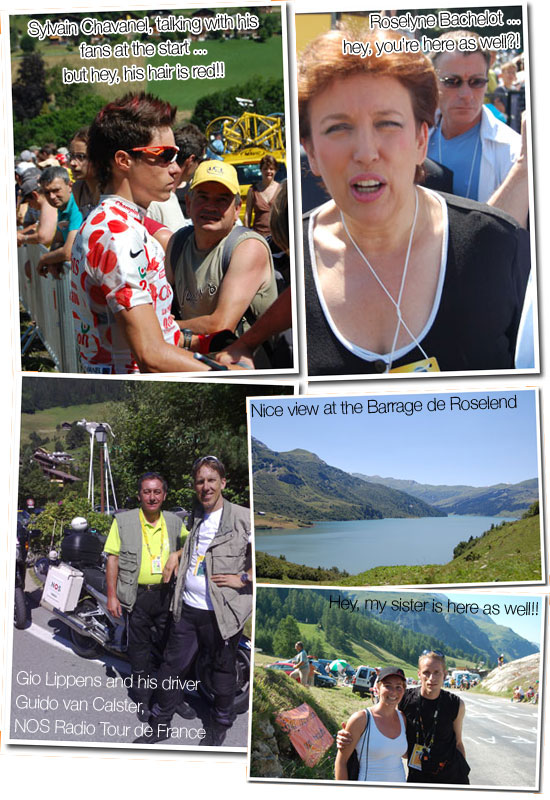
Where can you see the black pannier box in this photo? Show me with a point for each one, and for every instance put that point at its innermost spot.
(82, 549)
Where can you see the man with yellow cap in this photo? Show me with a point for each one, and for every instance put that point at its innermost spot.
(222, 272)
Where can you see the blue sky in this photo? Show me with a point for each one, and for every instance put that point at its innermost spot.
(527, 626)
(446, 446)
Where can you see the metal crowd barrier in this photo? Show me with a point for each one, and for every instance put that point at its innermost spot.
(47, 301)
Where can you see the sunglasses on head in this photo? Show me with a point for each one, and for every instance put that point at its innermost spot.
(165, 153)
(204, 460)
(455, 82)
(433, 653)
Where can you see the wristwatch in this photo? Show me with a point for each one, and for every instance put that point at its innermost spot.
(245, 578)
(187, 338)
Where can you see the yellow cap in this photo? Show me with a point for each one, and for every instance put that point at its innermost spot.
(218, 171)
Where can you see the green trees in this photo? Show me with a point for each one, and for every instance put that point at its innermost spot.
(27, 43)
(532, 511)
(285, 637)
(29, 91)
(164, 427)
(268, 95)
(44, 392)
(340, 631)
(56, 517)
(58, 125)
(44, 108)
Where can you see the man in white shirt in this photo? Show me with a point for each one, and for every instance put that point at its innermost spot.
(486, 155)
(212, 601)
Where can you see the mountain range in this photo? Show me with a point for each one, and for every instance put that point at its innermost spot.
(462, 631)
(300, 485)
(502, 499)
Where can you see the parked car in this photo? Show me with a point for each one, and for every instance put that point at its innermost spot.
(320, 679)
(361, 683)
(324, 681)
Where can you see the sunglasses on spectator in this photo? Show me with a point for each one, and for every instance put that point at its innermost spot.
(433, 653)
(455, 82)
(165, 153)
(77, 156)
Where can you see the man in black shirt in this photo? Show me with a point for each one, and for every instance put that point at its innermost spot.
(434, 726)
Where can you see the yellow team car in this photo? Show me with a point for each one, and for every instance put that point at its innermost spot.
(246, 140)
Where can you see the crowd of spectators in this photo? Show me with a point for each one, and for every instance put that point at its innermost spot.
(126, 316)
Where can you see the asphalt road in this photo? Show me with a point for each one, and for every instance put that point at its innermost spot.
(57, 696)
(502, 741)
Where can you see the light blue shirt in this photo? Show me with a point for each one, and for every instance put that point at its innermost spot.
(462, 155)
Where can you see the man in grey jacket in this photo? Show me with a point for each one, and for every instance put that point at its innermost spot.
(212, 601)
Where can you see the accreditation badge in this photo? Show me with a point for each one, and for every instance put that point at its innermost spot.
(425, 365)
(416, 755)
(199, 567)
(156, 565)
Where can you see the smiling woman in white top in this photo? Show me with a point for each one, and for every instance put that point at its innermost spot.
(378, 734)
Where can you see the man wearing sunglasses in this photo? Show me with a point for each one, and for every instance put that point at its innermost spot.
(468, 139)
(120, 296)
(212, 601)
(434, 717)
(192, 147)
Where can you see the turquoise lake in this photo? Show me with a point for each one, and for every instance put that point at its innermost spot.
(358, 545)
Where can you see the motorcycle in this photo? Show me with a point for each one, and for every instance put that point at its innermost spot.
(24, 535)
(93, 628)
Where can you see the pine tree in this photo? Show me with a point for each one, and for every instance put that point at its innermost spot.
(29, 90)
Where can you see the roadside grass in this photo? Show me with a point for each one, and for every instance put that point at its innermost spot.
(275, 692)
(36, 358)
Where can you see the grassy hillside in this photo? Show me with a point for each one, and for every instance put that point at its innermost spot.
(44, 422)
(301, 485)
(364, 652)
(243, 59)
(503, 639)
(510, 552)
(275, 692)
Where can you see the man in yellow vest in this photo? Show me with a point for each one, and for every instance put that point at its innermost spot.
(138, 547)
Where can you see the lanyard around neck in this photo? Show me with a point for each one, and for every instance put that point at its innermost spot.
(396, 303)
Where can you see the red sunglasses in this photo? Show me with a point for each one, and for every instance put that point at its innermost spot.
(166, 153)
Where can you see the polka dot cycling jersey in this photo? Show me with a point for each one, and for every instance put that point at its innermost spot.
(116, 265)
